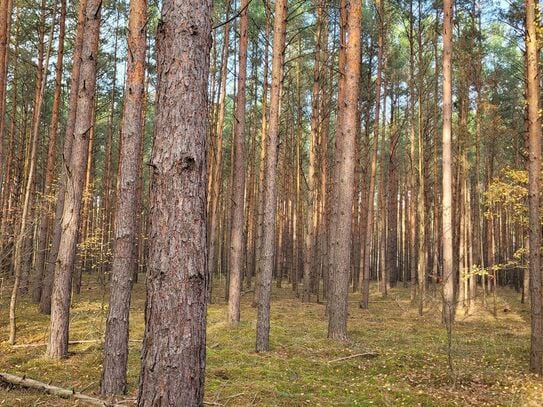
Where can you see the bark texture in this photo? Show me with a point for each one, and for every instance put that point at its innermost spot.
(238, 188)
(448, 278)
(74, 180)
(310, 223)
(173, 354)
(342, 189)
(534, 171)
(128, 206)
(267, 249)
(49, 267)
(365, 258)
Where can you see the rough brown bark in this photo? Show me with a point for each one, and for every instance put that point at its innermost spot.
(74, 179)
(267, 249)
(173, 354)
(238, 188)
(534, 171)
(448, 279)
(124, 261)
(342, 189)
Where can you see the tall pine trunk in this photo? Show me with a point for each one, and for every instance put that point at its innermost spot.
(366, 250)
(534, 171)
(238, 184)
(51, 160)
(269, 197)
(177, 279)
(448, 278)
(215, 177)
(126, 224)
(344, 166)
(312, 181)
(74, 180)
(49, 267)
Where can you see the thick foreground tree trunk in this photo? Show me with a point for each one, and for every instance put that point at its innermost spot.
(173, 354)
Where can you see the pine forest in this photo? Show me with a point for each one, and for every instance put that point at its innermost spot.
(271, 203)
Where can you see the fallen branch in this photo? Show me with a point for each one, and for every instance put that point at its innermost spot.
(55, 391)
(358, 355)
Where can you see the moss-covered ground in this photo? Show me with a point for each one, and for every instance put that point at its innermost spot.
(490, 354)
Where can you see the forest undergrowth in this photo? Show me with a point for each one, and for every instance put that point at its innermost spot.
(402, 357)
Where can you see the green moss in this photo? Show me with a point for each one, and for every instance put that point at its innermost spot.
(490, 354)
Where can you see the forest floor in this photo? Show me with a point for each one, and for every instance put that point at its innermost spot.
(490, 354)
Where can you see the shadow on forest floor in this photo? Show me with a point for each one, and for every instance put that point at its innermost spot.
(490, 354)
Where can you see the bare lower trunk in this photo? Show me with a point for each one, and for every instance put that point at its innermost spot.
(126, 224)
(51, 159)
(366, 250)
(342, 189)
(238, 187)
(262, 168)
(267, 250)
(534, 170)
(49, 268)
(215, 178)
(311, 215)
(177, 280)
(448, 278)
(61, 296)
